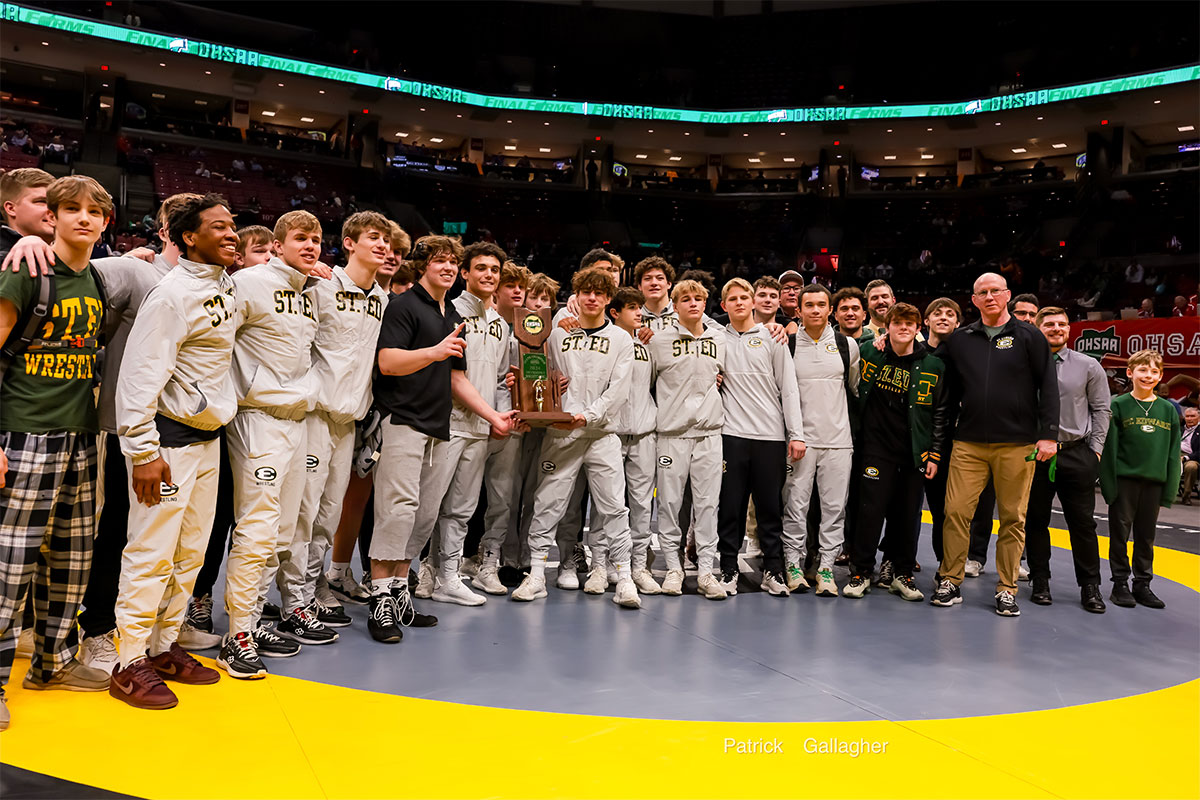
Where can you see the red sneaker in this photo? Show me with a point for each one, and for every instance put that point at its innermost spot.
(139, 686)
(178, 665)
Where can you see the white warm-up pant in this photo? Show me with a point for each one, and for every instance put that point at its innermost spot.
(165, 551)
(458, 467)
(266, 455)
(502, 479)
(639, 455)
(681, 457)
(831, 468)
(327, 473)
(404, 478)
(562, 460)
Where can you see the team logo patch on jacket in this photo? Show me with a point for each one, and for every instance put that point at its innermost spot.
(549, 466)
(754, 341)
(1148, 428)
(311, 462)
(871, 472)
(168, 489)
(831, 348)
(665, 461)
(266, 474)
(1004, 343)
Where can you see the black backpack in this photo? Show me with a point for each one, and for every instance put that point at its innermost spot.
(25, 333)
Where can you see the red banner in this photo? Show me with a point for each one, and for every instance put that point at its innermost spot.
(1114, 341)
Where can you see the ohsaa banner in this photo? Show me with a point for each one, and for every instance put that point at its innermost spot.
(1114, 341)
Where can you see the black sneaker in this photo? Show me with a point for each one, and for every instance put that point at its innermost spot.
(333, 616)
(406, 614)
(885, 576)
(947, 594)
(271, 612)
(272, 645)
(511, 576)
(199, 613)
(381, 621)
(1121, 596)
(579, 559)
(239, 657)
(1006, 605)
(1145, 597)
(303, 626)
(729, 581)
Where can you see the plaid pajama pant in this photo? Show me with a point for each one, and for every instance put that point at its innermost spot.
(47, 526)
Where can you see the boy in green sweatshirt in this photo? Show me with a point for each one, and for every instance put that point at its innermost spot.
(1139, 471)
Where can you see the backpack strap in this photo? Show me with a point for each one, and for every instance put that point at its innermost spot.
(843, 346)
(25, 332)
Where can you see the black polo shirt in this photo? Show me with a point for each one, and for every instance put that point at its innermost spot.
(421, 400)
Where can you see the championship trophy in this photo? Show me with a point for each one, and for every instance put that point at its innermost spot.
(536, 395)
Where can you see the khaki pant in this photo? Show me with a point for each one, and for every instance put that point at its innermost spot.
(165, 550)
(971, 464)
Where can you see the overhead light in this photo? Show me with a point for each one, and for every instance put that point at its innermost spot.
(45, 44)
(889, 158)
(640, 155)
(208, 72)
(1040, 119)
(437, 140)
(745, 134)
(650, 131)
(920, 174)
(547, 124)
(49, 79)
(510, 147)
(789, 159)
(997, 124)
(320, 91)
(1059, 145)
(402, 134)
(268, 113)
(1156, 102)
(839, 155)
(687, 133)
(105, 85)
(306, 119)
(543, 149)
(106, 105)
(161, 64)
(1186, 128)
(1019, 150)
(678, 158)
(458, 115)
(889, 130)
(200, 102)
(158, 96)
(754, 160)
(929, 130)
(422, 109)
(927, 156)
(509, 121)
(280, 85)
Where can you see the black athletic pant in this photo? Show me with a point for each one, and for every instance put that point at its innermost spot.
(219, 537)
(1075, 484)
(981, 523)
(758, 468)
(888, 492)
(365, 531)
(935, 498)
(1136, 508)
(98, 616)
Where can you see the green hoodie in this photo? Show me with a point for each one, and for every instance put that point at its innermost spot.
(1142, 445)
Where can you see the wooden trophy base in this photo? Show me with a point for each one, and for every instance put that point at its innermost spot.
(543, 419)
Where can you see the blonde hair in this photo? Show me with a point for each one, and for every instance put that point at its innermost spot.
(516, 273)
(296, 220)
(541, 283)
(688, 287)
(359, 223)
(16, 182)
(252, 234)
(736, 283)
(401, 241)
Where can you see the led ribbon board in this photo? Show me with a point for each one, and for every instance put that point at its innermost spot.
(12, 12)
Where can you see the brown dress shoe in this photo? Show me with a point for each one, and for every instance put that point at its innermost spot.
(178, 665)
(139, 686)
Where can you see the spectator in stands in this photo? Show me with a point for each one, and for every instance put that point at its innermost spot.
(884, 271)
(1134, 272)
(300, 181)
(202, 171)
(1189, 451)
(254, 165)
(1146, 310)
(1024, 307)
(237, 166)
(808, 269)
(790, 283)
(1181, 308)
(841, 180)
(295, 201)
(56, 151)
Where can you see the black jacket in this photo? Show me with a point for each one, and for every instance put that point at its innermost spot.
(8, 238)
(1007, 386)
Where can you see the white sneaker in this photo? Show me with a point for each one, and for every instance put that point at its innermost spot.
(972, 569)
(452, 590)
(673, 583)
(795, 578)
(825, 584)
(347, 589)
(1022, 573)
(325, 596)
(567, 577)
(856, 587)
(191, 638)
(488, 579)
(645, 582)
(597, 581)
(100, 652)
(708, 586)
(906, 587)
(424, 588)
(627, 596)
(530, 589)
(25, 644)
(728, 582)
(613, 577)
(470, 567)
(772, 584)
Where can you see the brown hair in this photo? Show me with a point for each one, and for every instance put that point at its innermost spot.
(171, 204)
(625, 296)
(767, 282)
(943, 302)
(815, 288)
(875, 284)
(594, 255)
(362, 221)
(594, 279)
(653, 262)
(16, 182)
(401, 241)
(848, 293)
(903, 312)
(428, 248)
(1152, 358)
(404, 273)
(70, 187)
(252, 234)
(736, 283)
(1050, 311)
(541, 283)
(478, 249)
(296, 220)
(688, 286)
(515, 273)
